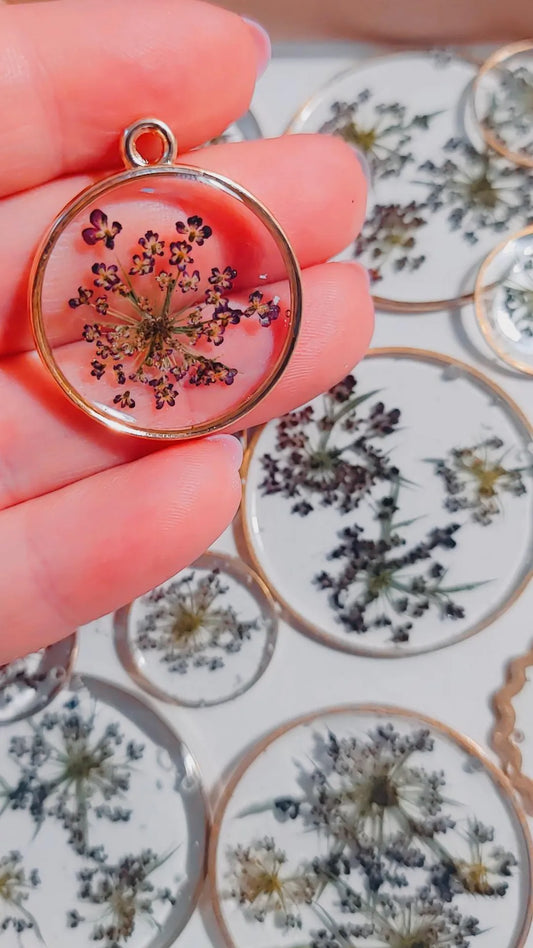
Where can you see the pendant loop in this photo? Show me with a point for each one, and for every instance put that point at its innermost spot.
(130, 154)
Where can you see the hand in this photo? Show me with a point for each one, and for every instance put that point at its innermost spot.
(88, 519)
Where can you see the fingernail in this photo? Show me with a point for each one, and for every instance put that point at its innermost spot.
(231, 445)
(363, 161)
(262, 44)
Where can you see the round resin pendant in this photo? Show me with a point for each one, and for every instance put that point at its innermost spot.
(166, 299)
(503, 102)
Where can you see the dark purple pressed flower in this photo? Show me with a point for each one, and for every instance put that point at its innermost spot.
(141, 265)
(189, 281)
(151, 244)
(165, 279)
(101, 230)
(101, 305)
(161, 337)
(223, 279)
(180, 254)
(82, 298)
(98, 369)
(194, 231)
(106, 275)
(267, 312)
(124, 399)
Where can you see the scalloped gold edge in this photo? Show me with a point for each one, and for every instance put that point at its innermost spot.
(502, 739)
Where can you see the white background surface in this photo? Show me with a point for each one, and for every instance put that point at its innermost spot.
(453, 685)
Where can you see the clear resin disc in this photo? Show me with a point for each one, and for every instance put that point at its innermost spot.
(166, 299)
(103, 825)
(202, 638)
(370, 826)
(394, 514)
(504, 300)
(28, 684)
(439, 198)
(503, 102)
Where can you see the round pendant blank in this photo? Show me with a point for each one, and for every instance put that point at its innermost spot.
(202, 638)
(437, 202)
(324, 807)
(407, 524)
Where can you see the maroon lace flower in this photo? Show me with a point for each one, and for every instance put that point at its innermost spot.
(194, 231)
(152, 338)
(83, 297)
(141, 265)
(151, 244)
(101, 230)
(106, 275)
(180, 254)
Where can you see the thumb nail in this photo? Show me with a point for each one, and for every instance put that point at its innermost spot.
(262, 44)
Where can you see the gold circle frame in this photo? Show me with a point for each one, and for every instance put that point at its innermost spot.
(498, 778)
(248, 580)
(382, 302)
(139, 170)
(66, 651)
(481, 288)
(496, 59)
(244, 535)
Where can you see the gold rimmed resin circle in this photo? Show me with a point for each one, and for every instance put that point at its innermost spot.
(29, 684)
(503, 102)
(166, 299)
(103, 823)
(370, 824)
(438, 199)
(393, 515)
(504, 300)
(202, 638)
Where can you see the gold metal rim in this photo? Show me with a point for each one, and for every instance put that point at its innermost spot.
(479, 291)
(187, 754)
(502, 738)
(85, 199)
(241, 572)
(466, 744)
(67, 650)
(382, 302)
(490, 138)
(244, 535)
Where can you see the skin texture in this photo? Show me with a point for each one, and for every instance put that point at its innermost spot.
(88, 519)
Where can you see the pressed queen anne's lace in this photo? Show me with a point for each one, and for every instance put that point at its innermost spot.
(393, 868)
(123, 894)
(190, 624)
(153, 337)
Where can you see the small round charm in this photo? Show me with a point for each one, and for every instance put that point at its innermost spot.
(504, 300)
(166, 299)
(503, 102)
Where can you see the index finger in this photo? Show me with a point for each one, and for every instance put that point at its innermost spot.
(72, 75)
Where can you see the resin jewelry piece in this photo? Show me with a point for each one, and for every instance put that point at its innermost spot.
(438, 203)
(202, 638)
(370, 825)
(103, 824)
(386, 524)
(503, 102)
(29, 684)
(512, 737)
(166, 299)
(504, 300)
